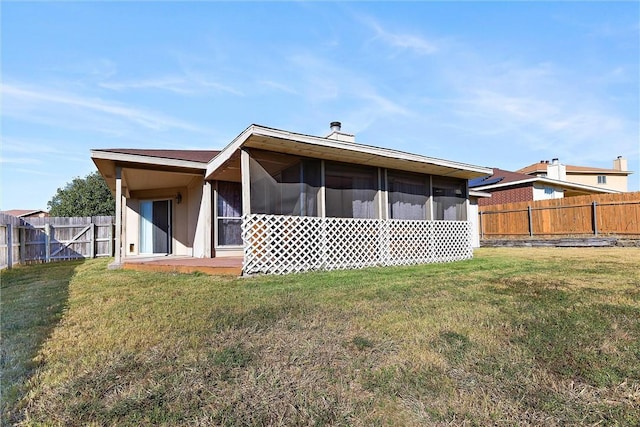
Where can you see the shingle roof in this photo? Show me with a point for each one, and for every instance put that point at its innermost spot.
(507, 177)
(202, 156)
(541, 167)
(22, 212)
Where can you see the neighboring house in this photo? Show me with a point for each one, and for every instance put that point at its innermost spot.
(613, 179)
(26, 213)
(509, 187)
(287, 202)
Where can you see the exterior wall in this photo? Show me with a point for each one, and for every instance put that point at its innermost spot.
(614, 182)
(546, 192)
(199, 218)
(183, 230)
(518, 193)
(472, 215)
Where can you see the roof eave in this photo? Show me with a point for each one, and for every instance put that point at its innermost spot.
(564, 184)
(146, 160)
(470, 171)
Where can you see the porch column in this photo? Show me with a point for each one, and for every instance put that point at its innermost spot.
(118, 234)
(206, 208)
(322, 205)
(246, 182)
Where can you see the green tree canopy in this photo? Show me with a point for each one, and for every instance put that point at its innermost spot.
(88, 196)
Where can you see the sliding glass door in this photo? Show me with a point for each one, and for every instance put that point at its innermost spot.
(155, 227)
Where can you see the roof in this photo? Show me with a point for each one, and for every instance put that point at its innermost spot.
(225, 164)
(200, 156)
(541, 167)
(345, 150)
(24, 212)
(502, 178)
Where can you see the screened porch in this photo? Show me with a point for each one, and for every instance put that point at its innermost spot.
(290, 213)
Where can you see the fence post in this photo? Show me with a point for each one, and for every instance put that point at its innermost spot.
(22, 238)
(595, 218)
(9, 245)
(530, 221)
(47, 242)
(481, 226)
(92, 232)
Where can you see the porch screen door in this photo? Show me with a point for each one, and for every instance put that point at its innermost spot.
(155, 227)
(229, 213)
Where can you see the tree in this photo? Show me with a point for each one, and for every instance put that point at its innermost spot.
(88, 196)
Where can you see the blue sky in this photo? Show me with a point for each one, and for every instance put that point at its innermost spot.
(488, 83)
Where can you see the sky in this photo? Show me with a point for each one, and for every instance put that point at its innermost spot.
(496, 84)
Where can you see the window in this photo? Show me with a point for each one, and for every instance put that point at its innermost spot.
(229, 210)
(284, 185)
(449, 199)
(350, 190)
(602, 179)
(408, 195)
(548, 190)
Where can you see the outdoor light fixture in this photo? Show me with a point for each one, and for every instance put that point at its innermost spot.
(179, 198)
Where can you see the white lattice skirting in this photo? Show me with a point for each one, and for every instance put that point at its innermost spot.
(279, 244)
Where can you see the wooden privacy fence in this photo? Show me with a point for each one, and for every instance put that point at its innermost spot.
(593, 215)
(33, 240)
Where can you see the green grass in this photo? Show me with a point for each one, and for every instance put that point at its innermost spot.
(512, 337)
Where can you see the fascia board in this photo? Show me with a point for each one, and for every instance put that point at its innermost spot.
(228, 151)
(475, 193)
(146, 160)
(369, 149)
(566, 184)
(505, 184)
(237, 143)
(557, 183)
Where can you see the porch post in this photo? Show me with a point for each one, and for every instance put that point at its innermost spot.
(322, 206)
(118, 237)
(246, 182)
(208, 218)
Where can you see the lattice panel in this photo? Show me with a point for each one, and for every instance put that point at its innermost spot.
(279, 244)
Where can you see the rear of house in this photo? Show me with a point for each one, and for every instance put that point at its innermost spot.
(287, 202)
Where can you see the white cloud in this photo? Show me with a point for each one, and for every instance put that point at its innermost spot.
(42, 104)
(402, 41)
(19, 160)
(278, 86)
(192, 83)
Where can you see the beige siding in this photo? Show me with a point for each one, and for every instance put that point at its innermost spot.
(614, 182)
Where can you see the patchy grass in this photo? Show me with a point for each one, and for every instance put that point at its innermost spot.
(32, 301)
(512, 337)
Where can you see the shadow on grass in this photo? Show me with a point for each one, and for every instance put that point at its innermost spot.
(34, 299)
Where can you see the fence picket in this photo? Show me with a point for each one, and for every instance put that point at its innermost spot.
(610, 214)
(54, 238)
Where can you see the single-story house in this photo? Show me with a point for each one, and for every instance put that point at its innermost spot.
(510, 187)
(288, 202)
(27, 213)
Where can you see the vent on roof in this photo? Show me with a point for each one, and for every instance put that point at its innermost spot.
(336, 133)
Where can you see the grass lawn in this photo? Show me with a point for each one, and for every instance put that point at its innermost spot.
(513, 337)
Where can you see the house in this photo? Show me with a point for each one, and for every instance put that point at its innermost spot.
(26, 213)
(613, 179)
(288, 202)
(510, 187)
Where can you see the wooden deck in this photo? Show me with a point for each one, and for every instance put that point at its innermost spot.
(177, 264)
